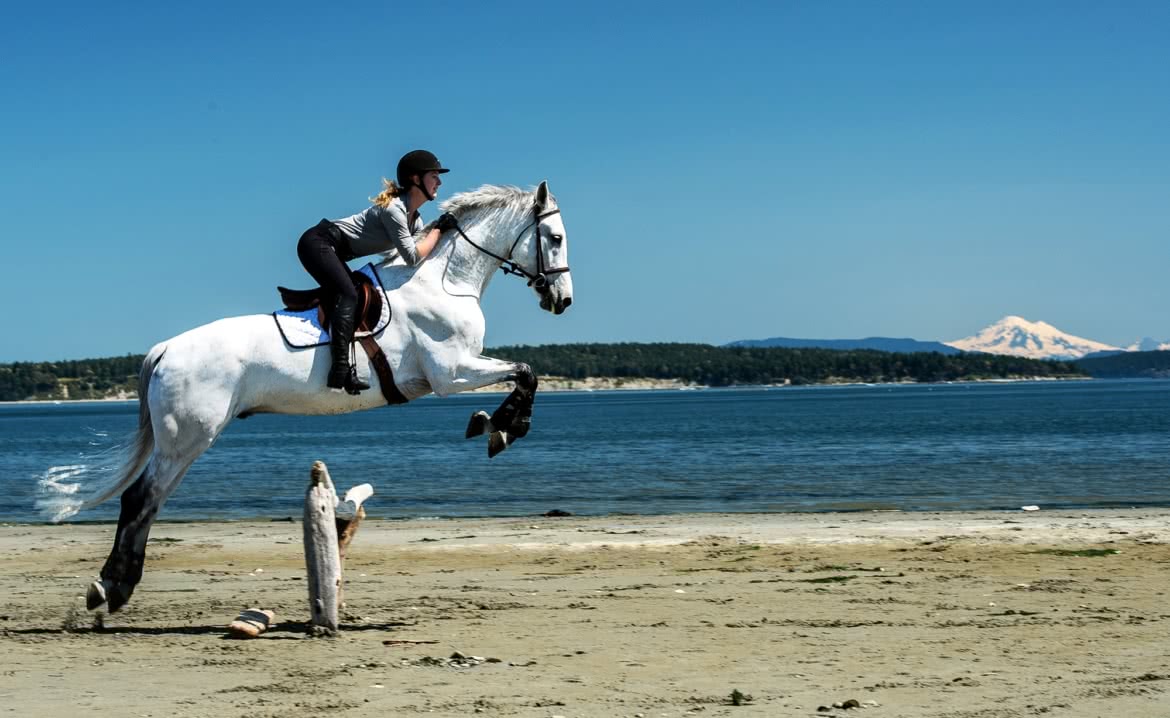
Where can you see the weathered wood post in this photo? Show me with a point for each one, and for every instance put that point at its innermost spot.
(329, 526)
(322, 554)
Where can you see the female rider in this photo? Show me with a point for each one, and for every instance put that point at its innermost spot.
(390, 224)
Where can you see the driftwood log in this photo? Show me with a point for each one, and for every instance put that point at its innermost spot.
(348, 516)
(329, 526)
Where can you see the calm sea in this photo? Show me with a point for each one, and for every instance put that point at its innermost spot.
(911, 447)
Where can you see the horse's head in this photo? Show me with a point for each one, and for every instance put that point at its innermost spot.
(521, 231)
(547, 254)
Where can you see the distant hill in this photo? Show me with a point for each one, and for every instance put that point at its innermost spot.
(1138, 365)
(881, 344)
(1146, 344)
(1142, 345)
(1109, 353)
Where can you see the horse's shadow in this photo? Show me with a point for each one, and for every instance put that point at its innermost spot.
(285, 630)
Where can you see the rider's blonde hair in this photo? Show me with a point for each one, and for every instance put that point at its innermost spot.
(388, 193)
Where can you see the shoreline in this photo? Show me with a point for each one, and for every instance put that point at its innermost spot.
(993, 526)
(552, 384)
(769, 517)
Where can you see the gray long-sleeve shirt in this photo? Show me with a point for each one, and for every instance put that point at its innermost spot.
(381, 229)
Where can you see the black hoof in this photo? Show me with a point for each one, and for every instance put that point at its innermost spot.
(114, 595)
(497, 442)
(95, 596)
(479, 425)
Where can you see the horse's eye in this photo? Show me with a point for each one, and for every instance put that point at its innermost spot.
(557, 237)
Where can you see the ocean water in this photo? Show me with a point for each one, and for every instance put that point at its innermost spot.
(907, 447)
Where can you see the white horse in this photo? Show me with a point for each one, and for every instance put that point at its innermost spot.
(193, 385)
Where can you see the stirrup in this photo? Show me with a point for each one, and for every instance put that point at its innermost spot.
(354, 385)
(345, 378)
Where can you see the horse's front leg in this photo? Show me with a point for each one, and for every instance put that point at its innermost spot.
(511, 420)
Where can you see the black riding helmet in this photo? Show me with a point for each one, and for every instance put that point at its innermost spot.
(417, 162)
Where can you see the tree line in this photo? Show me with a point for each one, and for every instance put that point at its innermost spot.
(76, 379)
(701, 364)
(710, 365)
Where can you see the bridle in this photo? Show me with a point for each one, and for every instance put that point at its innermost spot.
(538, 280)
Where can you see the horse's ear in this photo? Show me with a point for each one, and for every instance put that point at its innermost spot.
(542, 195)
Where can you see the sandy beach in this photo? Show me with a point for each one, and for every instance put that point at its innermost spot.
(953, 615)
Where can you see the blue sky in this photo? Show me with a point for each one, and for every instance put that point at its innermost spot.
(726, 170)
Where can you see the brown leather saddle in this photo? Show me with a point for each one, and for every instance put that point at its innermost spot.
(369, 312)
(369, 308)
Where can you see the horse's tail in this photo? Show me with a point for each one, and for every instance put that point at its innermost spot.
(60, 500)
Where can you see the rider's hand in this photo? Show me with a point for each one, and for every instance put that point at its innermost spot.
(446, 221)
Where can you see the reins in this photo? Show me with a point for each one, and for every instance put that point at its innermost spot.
(539, 280)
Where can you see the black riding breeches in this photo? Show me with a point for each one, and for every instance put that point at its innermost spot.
(320, 250)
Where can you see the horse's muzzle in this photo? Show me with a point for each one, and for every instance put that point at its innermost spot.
(556, 306)
(556, 294)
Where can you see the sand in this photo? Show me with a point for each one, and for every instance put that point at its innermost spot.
(947, 615)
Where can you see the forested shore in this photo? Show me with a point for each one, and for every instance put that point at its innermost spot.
(689, 364)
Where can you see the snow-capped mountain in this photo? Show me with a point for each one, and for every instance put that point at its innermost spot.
(1147, 344)
(1016, 336)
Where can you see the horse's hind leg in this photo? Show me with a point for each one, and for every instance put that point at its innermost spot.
(140, 505)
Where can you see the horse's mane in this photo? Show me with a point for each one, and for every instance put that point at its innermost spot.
(489, 196)
(486, 197)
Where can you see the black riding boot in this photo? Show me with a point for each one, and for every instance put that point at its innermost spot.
(343, 374)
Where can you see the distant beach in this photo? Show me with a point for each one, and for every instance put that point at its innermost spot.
(547, 383)
(559, 384)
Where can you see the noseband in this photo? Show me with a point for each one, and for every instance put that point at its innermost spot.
(538, 280)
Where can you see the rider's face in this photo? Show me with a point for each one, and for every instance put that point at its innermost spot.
(432, 182)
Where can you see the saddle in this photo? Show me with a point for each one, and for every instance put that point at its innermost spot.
(369, 307)
(368, 322)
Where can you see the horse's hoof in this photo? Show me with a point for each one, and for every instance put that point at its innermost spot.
(479, 425)
(497, 442)
(113, 595)
(118, 596)
(95, 596)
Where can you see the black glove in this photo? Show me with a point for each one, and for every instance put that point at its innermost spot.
(446, 221)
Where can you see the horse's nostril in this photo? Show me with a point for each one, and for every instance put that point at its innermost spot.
(568, 301)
